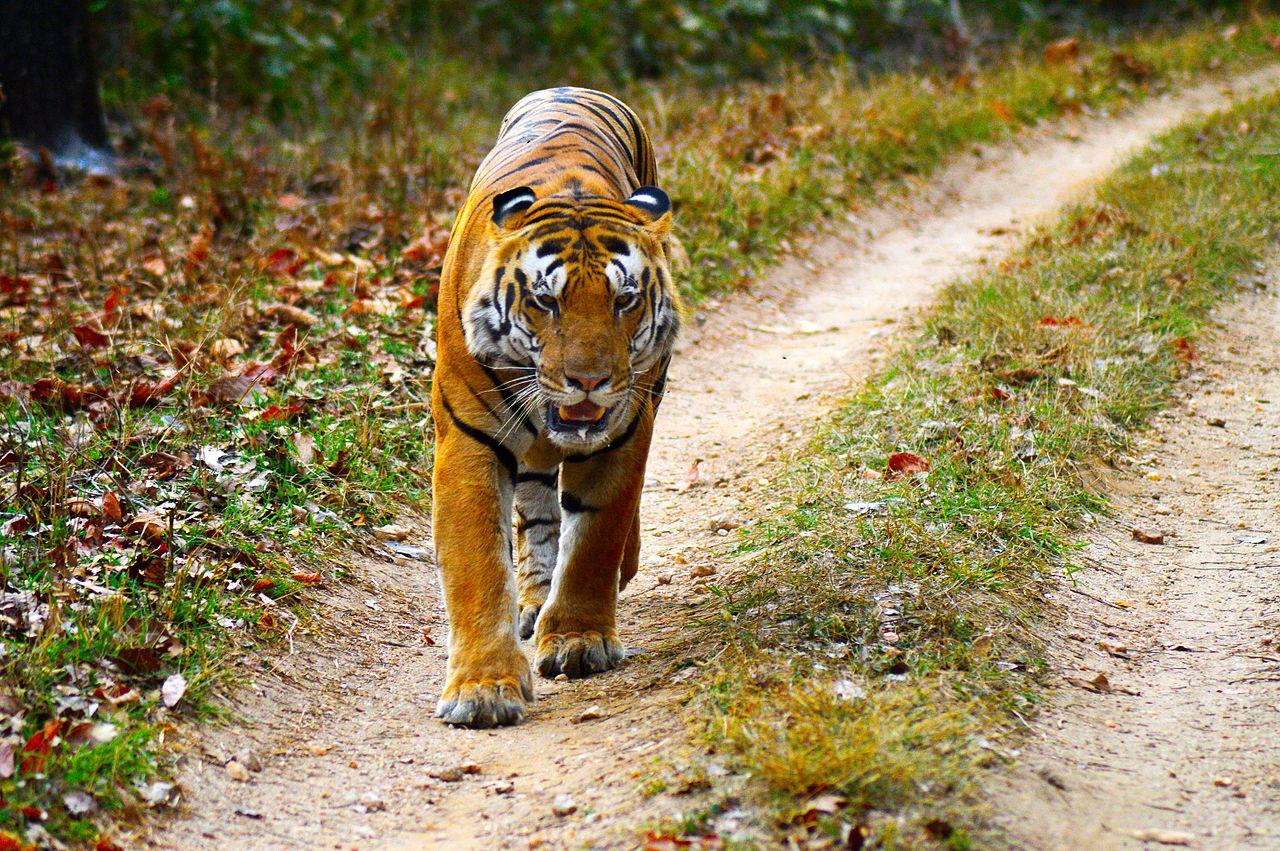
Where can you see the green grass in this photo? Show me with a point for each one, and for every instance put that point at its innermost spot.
(887, 657)
(180, 266)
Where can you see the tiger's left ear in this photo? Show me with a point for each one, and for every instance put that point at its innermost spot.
(655, 208)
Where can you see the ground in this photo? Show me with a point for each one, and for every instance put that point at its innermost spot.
(1177, 614)
(341, 726)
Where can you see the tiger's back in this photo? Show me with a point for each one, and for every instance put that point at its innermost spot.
(556, 141)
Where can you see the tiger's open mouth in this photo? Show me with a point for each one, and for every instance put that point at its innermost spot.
(584, 418)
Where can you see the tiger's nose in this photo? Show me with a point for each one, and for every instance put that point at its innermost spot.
(586, 382)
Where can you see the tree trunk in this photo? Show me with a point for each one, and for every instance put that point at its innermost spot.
(48, 80)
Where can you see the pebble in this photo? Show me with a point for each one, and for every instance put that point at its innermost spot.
(563, 805)
(248, 759)
(237, 772)
(591, 713)
(452, 774)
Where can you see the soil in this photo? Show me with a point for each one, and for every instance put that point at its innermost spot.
(1180, 747)
(343, 723)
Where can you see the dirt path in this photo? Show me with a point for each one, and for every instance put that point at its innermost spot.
(343, 725)
(1186, 746)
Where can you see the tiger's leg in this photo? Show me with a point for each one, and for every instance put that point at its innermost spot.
(537, 538)
(488, 680)
(631, 554)
(576, 633)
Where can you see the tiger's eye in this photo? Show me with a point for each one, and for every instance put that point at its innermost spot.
(545, 301)
(626, 301)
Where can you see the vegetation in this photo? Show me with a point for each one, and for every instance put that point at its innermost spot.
(216, 366)
(887, 646)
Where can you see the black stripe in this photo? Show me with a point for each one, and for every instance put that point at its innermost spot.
(506, 399)
(549, 479)
(536, 522)
(504, 455)
(573, 505)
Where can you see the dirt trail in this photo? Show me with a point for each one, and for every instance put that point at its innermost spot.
(344, 725)
(1185, 745)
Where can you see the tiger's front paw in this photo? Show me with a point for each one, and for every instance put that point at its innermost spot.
(492, 698)
(578, 654)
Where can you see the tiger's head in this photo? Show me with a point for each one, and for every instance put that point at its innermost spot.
(578, 293)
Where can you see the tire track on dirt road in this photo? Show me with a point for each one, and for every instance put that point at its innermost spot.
(1182, 746)
(344, 725)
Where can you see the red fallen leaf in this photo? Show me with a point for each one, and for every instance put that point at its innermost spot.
(1067, 322)
(283, 262)
(111, 510)
(90, 337)
(70, 397)
(1001, 111)
(267, 622)
(409, 300)
(280, 413)
(144, 392)
(15, 289)
(111, 304)
(998, 393)
(34, 813)
(1062, 51)
(308, 578)
(39, 745)
(424, 249)
(905, 464)
(260, 373)
(1183, 350)
(290, 202)
(102, 843)
(197, 250)
(263, 583)
(1273, 42)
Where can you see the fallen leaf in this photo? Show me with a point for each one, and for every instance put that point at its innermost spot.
(308, 578)
(175, 686)
(111, 510)
(290, 314)
(905, 464)
(1147, 537)
(392, 532)
(1001, 111)
(283, 262)
(90, 337)
(1062, 52)
(155, 265)
(1183, 350)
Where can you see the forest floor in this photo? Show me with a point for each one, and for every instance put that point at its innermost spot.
(334, 742)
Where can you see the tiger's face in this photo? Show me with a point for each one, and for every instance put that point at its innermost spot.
(576, 294)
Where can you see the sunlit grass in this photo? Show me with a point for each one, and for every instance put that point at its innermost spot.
(887, 657)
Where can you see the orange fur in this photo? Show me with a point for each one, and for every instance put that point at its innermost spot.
(556, 303)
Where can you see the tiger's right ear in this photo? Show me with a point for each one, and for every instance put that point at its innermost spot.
(510, 205)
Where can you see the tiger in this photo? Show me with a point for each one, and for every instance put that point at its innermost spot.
(557, 319)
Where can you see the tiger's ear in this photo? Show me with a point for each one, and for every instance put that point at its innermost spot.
(509, 206)
(654, 207)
